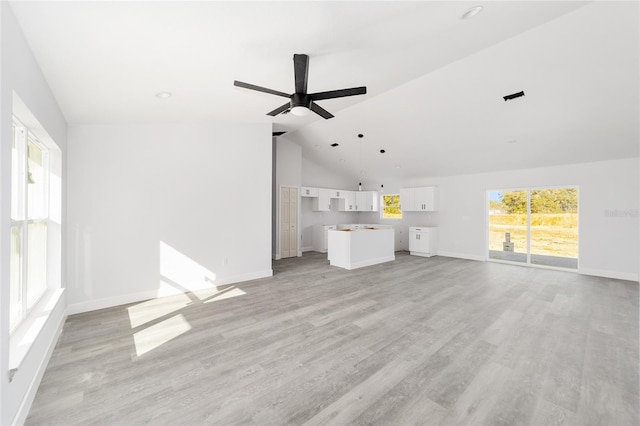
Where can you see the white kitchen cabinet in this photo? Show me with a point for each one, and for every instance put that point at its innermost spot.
(308, 192)
(423, 241)
(407, 202)
(322, 203)
(422, 199)
(348, 203)
(337, 193)
(366, 201)
(361, 247)
(425, 199)
(321, 237)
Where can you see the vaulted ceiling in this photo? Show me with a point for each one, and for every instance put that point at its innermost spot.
(435, 81)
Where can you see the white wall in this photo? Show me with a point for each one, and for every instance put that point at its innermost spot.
(608, 245)
(20, 76)
(288, 172)
(288, 162)
(156, 209)
(608, 212)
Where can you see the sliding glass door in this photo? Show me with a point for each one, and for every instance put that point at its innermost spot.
(508, 235)
(534, 226)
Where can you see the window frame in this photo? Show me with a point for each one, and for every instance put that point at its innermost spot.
(20, 218)
(382, 206)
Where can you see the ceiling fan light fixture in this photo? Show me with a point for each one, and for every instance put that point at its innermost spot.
(300, 111)
(472, 12)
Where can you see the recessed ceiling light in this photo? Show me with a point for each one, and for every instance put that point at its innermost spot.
(472, 12)
(382, 151)
(164, 95)
(335, 144)
(360, 135)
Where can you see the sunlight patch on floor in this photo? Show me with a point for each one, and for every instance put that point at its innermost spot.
(158, 334)
(234, 292)
(153, 309)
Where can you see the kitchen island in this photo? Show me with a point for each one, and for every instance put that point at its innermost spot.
(356, 248)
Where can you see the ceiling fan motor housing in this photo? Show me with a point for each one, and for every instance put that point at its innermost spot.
(300, 99)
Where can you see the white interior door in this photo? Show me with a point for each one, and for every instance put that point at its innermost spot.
(288, 222)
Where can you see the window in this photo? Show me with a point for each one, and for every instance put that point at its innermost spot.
(29, 222)
(391, 206)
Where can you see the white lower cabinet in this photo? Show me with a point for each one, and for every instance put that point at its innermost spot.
(321, 237)
(423, 241)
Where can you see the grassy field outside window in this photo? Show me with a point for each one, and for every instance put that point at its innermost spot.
(391, 206)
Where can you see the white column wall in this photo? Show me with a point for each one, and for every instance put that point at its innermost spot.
(21, 77)
(146, 199)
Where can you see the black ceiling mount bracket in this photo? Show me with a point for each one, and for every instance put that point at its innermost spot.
(513, 96)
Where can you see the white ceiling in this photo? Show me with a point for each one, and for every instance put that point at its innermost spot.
(435, 82)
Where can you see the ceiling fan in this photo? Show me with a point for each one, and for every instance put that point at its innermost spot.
(301, 102)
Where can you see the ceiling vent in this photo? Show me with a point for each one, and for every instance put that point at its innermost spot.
(513, 96)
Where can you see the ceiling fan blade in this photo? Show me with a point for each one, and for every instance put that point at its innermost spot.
(279, 109)
(301, 72)
(320, 111)
(260, 89)
(338, 93)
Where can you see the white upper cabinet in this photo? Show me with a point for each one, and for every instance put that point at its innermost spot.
(407, 202)
(323, 202)
(425, 199)
(308, 192)
(422, 199)
(337, 193)
(367, 201)
(348, 203)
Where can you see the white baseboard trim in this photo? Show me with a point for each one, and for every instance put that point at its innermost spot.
(245, 277)
(27, 401)
(421, 254)
(585, 271)
(110, 302)
(461, 255)
(609, 274)
(364, 263)
(307, 249)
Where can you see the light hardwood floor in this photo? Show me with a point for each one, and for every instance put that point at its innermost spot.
(437, 341)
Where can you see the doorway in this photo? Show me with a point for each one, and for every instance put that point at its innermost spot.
(535, 226)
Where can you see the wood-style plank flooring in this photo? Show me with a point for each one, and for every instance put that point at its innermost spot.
(437, 341)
